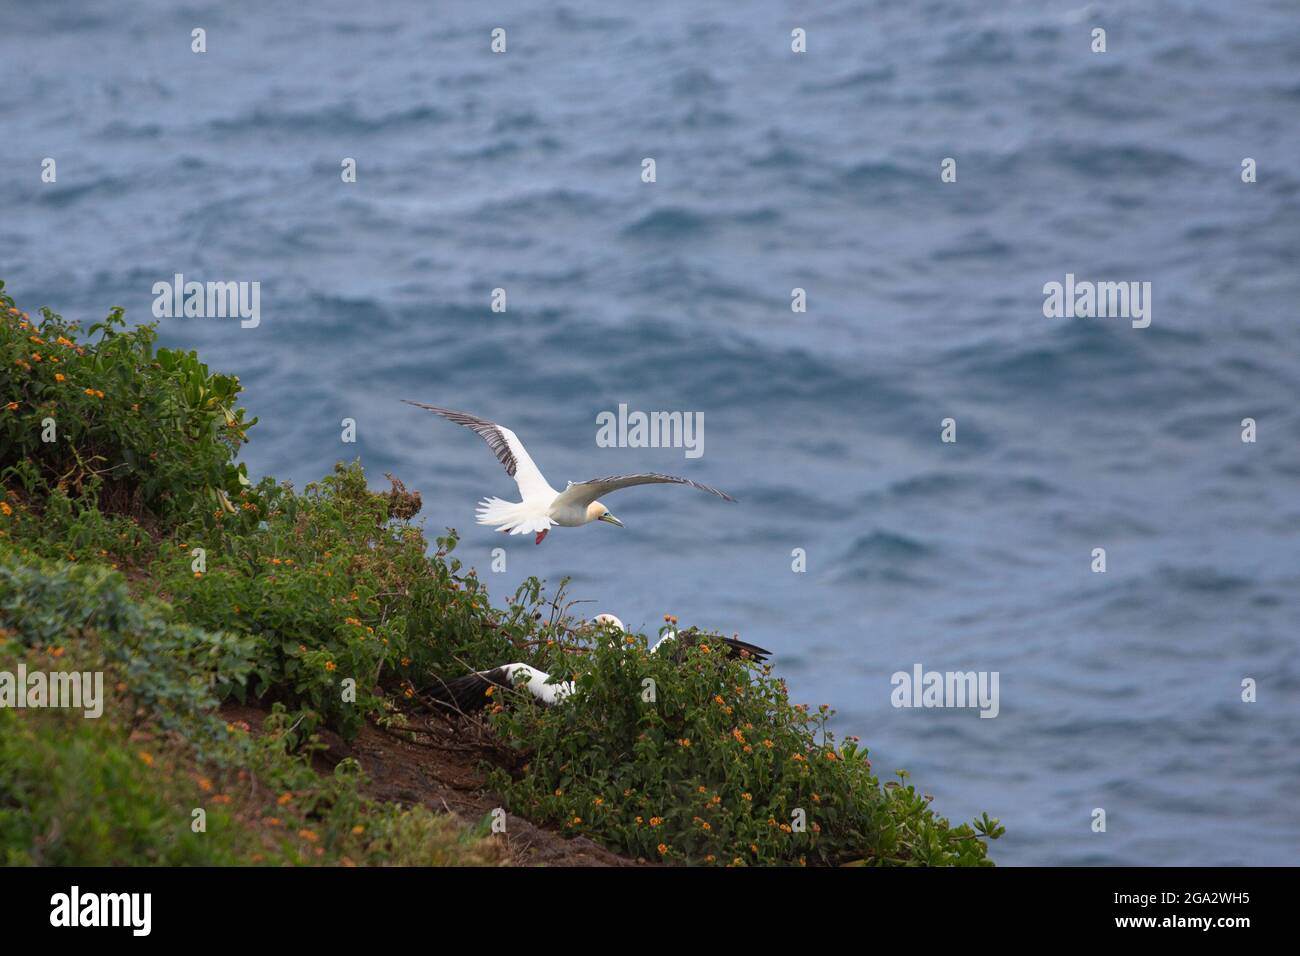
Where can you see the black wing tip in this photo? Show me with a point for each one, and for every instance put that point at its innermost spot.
(735, 646)
(746, 649)
(711, 490)
(703, 487)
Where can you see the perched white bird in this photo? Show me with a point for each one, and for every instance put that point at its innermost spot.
(542, 506)
(470, 692)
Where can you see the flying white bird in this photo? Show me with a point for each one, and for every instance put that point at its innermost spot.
(472, 691)
(542, 506)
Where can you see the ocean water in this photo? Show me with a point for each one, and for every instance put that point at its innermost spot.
(774, 171)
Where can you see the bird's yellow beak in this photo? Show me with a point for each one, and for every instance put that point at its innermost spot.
(610, 518)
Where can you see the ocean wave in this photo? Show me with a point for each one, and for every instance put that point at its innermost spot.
(334, 120)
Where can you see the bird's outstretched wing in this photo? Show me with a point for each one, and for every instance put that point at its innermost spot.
(506, 445)
(584, 493)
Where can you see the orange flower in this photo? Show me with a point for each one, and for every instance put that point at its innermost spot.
(358, 830)
(331, 666)
(59, 376)
(663, 849)
(147, 758)
(12, 406)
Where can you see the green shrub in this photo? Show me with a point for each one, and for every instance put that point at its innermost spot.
(122, 788)
(707, 761)
(149, 434)
(175, 670)
(330, 589)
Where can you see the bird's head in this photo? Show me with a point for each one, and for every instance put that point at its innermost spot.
(598, 512)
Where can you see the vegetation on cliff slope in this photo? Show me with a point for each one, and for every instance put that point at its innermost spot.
(132, 542)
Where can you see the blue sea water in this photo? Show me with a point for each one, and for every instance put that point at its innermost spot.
(774, 171)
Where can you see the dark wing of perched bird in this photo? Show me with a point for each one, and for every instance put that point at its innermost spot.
(735, 646)
(469, 693)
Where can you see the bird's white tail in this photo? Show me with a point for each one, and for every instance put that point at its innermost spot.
(514, 517)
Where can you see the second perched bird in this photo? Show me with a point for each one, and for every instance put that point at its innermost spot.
(542, 506)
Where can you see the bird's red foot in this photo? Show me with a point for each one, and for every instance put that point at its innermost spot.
(541, 535)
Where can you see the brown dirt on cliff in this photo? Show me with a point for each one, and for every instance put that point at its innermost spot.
(441, 772)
